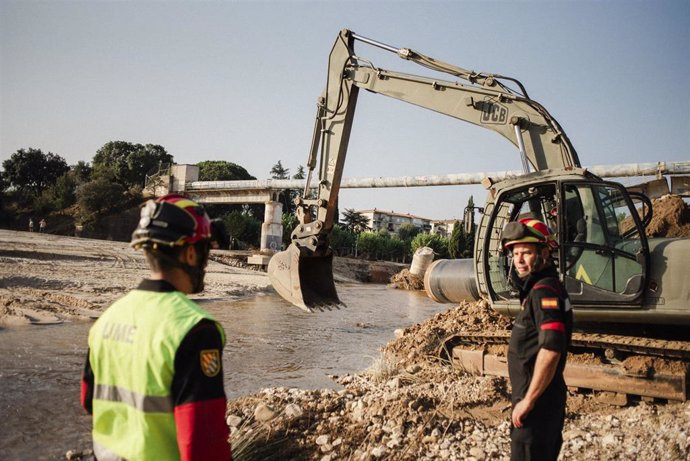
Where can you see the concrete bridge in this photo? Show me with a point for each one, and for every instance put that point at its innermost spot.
(184, 179)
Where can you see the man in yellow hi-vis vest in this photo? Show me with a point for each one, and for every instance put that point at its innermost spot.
(153, 377)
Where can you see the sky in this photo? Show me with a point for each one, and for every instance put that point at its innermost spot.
(238, 81)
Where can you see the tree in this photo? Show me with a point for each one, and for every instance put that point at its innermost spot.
(457, 241)
(280, 172)
(99, 196)
(31, 171)
(342, 240)
(82, 171)
(408, 231)
(243, 227)
(289, 222)
(60, 195)
(127, 163)
(220, 170)
(355, 221)
(300, 173)
(469, 238)
(433, 241)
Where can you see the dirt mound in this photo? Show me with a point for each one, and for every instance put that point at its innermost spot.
(406, 280)
(671, 218)
(420, 343)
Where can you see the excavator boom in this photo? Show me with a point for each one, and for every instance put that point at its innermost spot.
(302, 274)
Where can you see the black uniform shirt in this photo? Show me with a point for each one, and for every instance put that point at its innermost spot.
(546, 321)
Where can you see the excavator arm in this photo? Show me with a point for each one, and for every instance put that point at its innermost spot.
(303, 274)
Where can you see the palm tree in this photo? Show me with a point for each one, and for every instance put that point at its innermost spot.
(279, 172)
(355, 221)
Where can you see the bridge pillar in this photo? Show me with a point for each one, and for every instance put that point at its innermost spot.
(272, 228)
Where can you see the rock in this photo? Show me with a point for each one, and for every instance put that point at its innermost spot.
(264, 413)
(378, 452)
(477, 452)
(394, 383)
(322, 439)
(293, 410)
(413, 369)
(609, 439)
(234, 421)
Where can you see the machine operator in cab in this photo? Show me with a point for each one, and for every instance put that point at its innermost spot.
(538, 343)
(153, 377)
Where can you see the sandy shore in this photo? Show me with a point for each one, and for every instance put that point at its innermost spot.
(47, 278)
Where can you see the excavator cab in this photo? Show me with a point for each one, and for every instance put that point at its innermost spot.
(602, 251)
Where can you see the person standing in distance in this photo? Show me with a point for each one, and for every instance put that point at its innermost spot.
(153, 377)
(538, 343)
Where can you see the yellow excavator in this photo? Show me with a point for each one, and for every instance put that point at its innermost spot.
(617, 279)
(611, 270)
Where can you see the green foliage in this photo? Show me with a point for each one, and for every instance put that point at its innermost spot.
(82, 171)
(59, 196)
(342, 240)
(380, 245)
(355, 221)
(98, 197)
(127, 163)
(280, 172)
(289, 222)
(408, 231)
(457, 242)
(395, 249)
(301, 174)
(30, 171)
(243, 227)
(433, 241)
(220, 170)
(368, 245)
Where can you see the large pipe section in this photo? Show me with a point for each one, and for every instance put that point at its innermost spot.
(451, 281)
(460, 179)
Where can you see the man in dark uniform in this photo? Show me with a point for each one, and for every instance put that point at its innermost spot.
(153, 377)
(538, 343)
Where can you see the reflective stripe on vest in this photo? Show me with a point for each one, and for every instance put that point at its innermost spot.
(133, 346)
(143, 403)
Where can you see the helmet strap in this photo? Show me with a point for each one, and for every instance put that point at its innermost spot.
(197, 272)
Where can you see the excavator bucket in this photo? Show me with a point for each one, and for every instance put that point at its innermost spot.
(304, 280)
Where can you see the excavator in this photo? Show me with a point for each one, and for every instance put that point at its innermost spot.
(615, 276)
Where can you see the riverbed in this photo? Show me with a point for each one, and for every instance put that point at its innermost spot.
(270, 344)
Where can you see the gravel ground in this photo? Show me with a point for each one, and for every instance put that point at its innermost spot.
(408, 406)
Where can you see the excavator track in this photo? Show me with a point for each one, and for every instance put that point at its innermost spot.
(618, 366)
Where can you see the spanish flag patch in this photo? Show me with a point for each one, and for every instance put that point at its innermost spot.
(210, 362)
(549, 303)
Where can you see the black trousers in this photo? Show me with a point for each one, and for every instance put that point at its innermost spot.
(540, 438)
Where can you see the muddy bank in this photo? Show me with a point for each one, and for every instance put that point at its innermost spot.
(47, 278)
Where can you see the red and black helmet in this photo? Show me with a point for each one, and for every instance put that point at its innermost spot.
(171, 220)
(527, 230)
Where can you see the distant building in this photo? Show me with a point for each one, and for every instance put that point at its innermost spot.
(444, 227)
(391, 221)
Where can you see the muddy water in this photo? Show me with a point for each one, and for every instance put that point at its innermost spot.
(269, 344)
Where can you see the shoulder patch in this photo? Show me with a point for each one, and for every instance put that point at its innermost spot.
(549, 303)
(210, 362)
